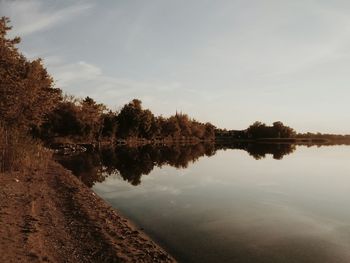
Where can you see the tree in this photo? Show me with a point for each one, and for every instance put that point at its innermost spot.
(129, 119)
(146, 126)
(91, 116)
(64, 120)
(26, 89)
(110, 125)
(171, 128)
(257, 130)
(82, 119)
(277, 130)
(185, 124)
(209, 132)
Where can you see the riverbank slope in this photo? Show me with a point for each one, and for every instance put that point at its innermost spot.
(53, 217)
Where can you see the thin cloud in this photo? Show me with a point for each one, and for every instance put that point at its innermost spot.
(83, 79)
(30, 17)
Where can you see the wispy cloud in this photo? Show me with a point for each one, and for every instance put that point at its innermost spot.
(32, 16)
(86, 79)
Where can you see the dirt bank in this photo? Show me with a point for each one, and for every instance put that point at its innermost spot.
(53, 217)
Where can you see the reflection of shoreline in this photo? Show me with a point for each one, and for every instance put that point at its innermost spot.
(132, 162)
(296, 141)
(260, 150)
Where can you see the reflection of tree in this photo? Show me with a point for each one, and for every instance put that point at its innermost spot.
(132, 162)
(86, 166)
(259, 150)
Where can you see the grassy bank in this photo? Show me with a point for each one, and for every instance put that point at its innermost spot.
(19, 152)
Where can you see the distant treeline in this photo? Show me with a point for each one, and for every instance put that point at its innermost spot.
(325, 136)
(30, 102)
(259, 130)
(279, 132)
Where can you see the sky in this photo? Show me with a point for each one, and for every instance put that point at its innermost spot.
(230, 62)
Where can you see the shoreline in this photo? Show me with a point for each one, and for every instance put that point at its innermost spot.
(53, 217)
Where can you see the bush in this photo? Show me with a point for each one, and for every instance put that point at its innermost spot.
(19, 152)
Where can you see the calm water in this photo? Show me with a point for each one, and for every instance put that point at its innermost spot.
(226, 206)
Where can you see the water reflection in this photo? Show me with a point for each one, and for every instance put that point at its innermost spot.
(230, 207)
(260, 150)
(131, 163)
(86, 166)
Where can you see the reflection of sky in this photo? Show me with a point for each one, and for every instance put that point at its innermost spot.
(231, 206)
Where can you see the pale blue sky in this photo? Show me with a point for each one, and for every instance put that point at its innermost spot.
(228, 62)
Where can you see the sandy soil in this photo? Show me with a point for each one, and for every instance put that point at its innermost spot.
(53, 217)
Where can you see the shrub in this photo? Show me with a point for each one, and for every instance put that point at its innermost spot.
(20, 152)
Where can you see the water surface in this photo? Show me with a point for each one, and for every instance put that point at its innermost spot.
(230, 206)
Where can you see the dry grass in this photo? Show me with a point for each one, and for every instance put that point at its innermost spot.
(19, 152)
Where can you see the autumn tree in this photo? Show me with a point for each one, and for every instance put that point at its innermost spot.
(185, 124)
(277, 130)
(63, 121)
(129, 119)
(91, 116)
(197, 130)
(171, 128)
(81, 120)
(283, 131)
(209, 131)
(147, 124)
(26, 89)
(109, 125)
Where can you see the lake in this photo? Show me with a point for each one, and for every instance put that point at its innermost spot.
(242, 203)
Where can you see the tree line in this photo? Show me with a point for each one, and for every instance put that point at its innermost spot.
(30, 102)
(259, 130)
(88, 121)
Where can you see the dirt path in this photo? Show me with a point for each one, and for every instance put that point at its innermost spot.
(53, 217)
